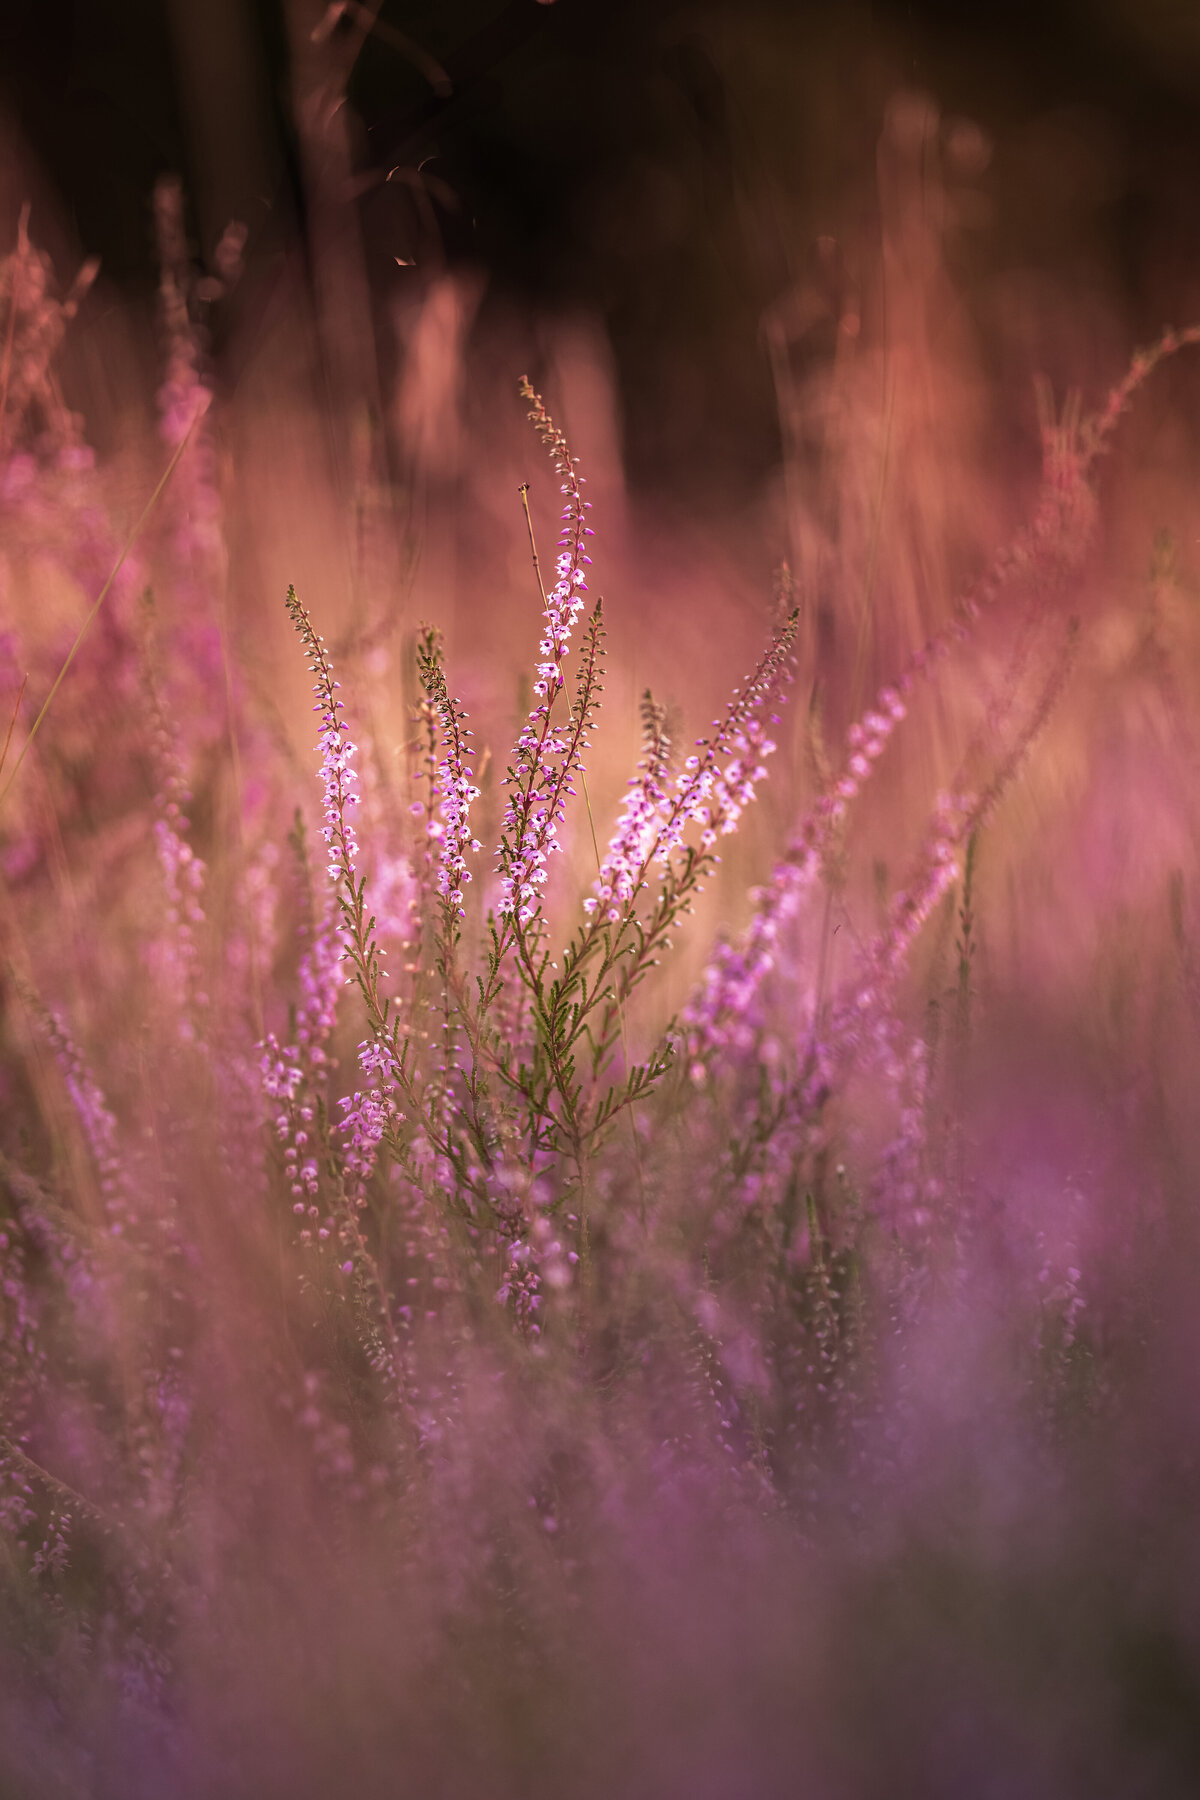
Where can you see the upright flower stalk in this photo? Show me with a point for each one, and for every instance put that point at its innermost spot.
(548, 755)
(454, 789)
(641, 816)
(292, 1073)
(372, 1117)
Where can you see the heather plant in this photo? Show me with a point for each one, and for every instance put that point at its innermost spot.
(429, 1365)
(501, 1128)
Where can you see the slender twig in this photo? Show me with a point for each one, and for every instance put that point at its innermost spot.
(12, 722)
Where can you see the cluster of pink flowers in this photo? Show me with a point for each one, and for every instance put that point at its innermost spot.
(52, 500)
(193, 502)
(724, 1003)
(535, 811)
(565, 601)
(522, 1286)
(547, 756)
(370, 1116)
(621, 872)
(337, 773)
(715, 796)
(815, 1056)
(182, 392)
(722, 1013)
(453, 796)
(337, 752)
(709, 790)
(283, 1081)
(290, 1072)
(185, 394)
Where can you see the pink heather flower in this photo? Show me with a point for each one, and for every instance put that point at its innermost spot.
(725, 999)
(622, 870)
(565, 601)
(292, 1073)
(716, 785)
(371, 1116)
(454, 791)
(521, 1286)
(865, 1006)
(903, 1186)
(337, 752)
(337, 774)
(937, 870)
(548, 756)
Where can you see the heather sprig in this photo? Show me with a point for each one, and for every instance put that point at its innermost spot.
(580, 1010)
(547, 759)
(293, 1073)
(717, 781)
(641, 815)
(548, 755)
(553, 1081)
(453, 789)
(565, 600)
(542, 779)
(1046, 551)
(957, 820)
(373, 1117)
(338, 776)
(376, 1114)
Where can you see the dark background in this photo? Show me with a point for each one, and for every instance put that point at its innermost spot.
(563, 122)
(547, 99)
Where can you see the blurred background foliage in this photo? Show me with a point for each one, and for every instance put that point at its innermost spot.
(668, 166)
